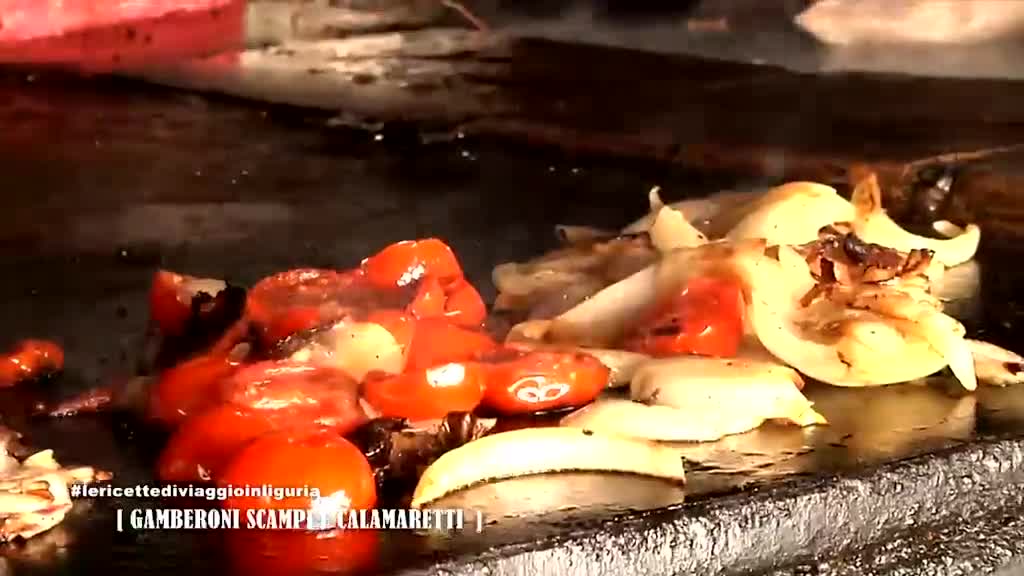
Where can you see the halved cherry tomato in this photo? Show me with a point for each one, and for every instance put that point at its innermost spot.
(521, 382)
(302, 299)
(189, 388)
(430, 299)
(705, 319)
(398, 323)
(427, 394)
(288, 393)
(323, 461)
(170, 299)
(278, 553)
(437, 341)
(463, 304)
(403, 263)
(30, 359)
(203, 444)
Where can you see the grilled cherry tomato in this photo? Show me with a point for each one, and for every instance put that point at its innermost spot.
(427, 394)
(463, 304)
(189, 388)
(437, 341)
(521, 382)
(705, 319)
(170, 299)
(288, 393)
(321, 460)
(298, 300)
(430, 299)
(403, 263)
(204, 443)
(30, 359)
(279, 553)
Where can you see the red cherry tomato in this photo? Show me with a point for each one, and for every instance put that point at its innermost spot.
(204, 443)
(279, 553)
(521, 382)
(298, 300)
(463, 304)
(403, 263)
(170, 299)
(30, 359)
(288, 393)
(437, 341)
(189, 388)
(430, 299)
(323, 461)
(705, 319)
(427, 394)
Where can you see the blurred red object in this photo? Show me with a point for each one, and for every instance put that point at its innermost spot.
(101, 35)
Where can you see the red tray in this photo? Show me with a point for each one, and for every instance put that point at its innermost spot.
(109, 34)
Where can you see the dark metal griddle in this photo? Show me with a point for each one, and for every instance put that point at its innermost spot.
(105, 182)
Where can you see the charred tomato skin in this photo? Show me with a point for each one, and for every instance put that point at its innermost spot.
(404, 263)
(189, 388)
(525, 382)
(290, 394)
(321, 460)
(201, 446)
(426, 394)
(29, 360)
(438, 341)
(705, 319)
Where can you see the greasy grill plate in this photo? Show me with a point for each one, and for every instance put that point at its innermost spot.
(100, 189)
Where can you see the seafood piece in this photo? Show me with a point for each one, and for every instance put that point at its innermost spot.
(553, 283)
(531, 451)
(690, 398)
(734, 388)
(34, 493)
(996, 366)
(872, 224)
(793, 214)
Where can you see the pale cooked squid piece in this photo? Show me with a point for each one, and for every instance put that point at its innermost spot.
(624, 417)
(872, 224)
(725, 395)
(855, 336)
(532, 451)
(996, 366)
(793, 213)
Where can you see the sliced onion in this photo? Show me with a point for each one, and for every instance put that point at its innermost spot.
(792, 214)
(714, 216)
(846, 357)
(602, 321)
(671, 231)
(872, 224)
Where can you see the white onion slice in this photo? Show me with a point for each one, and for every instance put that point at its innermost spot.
(873, 225)
(792, 214)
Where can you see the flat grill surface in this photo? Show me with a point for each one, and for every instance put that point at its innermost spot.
(103, 186)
